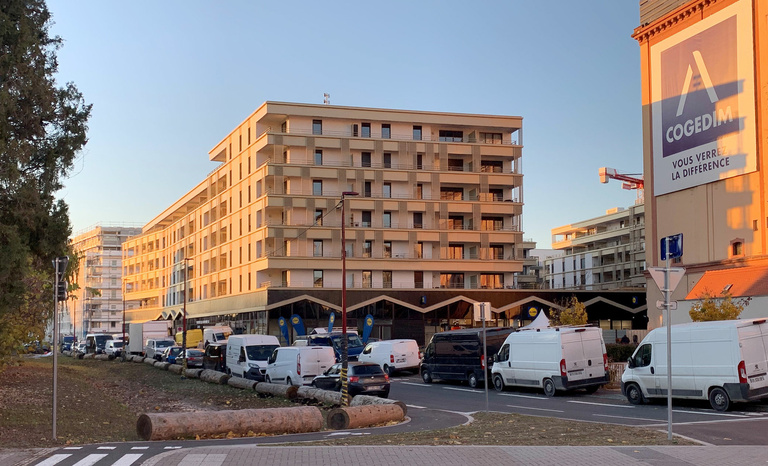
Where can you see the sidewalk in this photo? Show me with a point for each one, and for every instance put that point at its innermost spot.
(460, 455)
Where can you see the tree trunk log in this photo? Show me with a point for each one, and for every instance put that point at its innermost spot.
(324, 396)
(136, 358)
(102, 357)
(162, 365)
(89, 356)
(355, 417)
(273, 389)
(193, 373)
(242, 383)
(79, 355)
(167, 426)
(150, 361)
(176, 368)
(363, 400)
(214, 377)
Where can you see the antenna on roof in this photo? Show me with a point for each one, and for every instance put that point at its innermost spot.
(327, 98)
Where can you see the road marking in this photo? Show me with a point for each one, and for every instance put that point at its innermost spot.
(416, 384)
(631, 417)
(171, 448)
(463, 390)
(707, 413)
(73, 448)
(105, 448)
(54, 459)
(416, 406)
(208, 459)
(600, 404)
(524, 396)
(139, 448)
(127, 460)
(90, 459)
(536, 409)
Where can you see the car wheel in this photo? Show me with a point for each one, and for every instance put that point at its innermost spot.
(549, 387)
(592, 389)
(267, 379)
(472, 380)
(498, 383)
(634, 394)
(426, 376)
(288, 381)
(389, 370)
(719, 400)
(229, 371)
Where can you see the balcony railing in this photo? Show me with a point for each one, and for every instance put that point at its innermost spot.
(349, 133)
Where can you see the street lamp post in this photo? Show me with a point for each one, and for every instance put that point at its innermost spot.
(123, 296)
(184, 319)
(344, 344)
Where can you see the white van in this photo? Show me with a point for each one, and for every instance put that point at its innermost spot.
(216, 334)
(247, 355)
(558, 358)
(722, 361)
(298, 365)
(392, 355)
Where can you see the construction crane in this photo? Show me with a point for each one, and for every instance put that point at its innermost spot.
(630, 181)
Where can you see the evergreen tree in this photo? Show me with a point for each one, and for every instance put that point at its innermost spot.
(42, 127)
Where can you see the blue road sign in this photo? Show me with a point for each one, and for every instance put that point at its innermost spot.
(675, 246)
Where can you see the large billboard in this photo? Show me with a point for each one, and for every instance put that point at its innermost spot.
(703, 110)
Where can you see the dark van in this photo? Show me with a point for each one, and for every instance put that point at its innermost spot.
(215, 357)
(355, 345)
(458, 355)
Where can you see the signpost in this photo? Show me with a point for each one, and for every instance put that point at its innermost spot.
(667, 279)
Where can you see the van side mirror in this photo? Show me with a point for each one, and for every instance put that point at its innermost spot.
(631, 363)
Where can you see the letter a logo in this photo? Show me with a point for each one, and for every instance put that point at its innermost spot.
(704, 77)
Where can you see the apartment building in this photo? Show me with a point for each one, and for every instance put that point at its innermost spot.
(602, 253)
(433, 211)
(97, 307)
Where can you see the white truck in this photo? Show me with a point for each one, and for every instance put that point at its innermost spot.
(138, 334)
(722, 361)
(557, 358)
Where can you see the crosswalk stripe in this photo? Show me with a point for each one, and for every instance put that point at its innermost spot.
(105, 448)
(90, 459)
(127, 460)
(73, 448)
(139, 448)
(54, 459)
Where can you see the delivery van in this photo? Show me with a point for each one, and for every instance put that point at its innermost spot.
(458, 355)
(723, 362)
(216, 334)
(194, 338)
(554, 359)
(298, 365)
(393, 355)
(247, 355)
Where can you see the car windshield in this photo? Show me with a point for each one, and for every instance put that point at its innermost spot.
(117, 344)
(219, 336)
(367, 369)
(164, 343)
(353, 341)
(174, 351)
(260, 352)
(102, 339)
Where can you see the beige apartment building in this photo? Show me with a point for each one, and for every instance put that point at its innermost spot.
(97, 307)
(437, 215)
(704, 66)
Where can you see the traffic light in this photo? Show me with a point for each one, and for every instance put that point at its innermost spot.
(61, 291)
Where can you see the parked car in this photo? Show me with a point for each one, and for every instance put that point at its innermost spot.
(66, 343)
(367, 378)
(298, 365)
(354, 343)
(194, 358)
(170, 353)
(247, 355)
(155, 346)
(215, 357)
(393, 355)
(80, 347)
(114, 348)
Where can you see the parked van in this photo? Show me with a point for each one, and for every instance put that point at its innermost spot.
(298, 365)
(333, 340)
(194, 338)
(393, 355)
(723, 362)
(96, 342)
(559, 358)
(216, 334)
(247, 355)
(114, 347)
(458, 354)
(154, 347)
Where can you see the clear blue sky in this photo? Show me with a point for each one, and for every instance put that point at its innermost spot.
(169, 79)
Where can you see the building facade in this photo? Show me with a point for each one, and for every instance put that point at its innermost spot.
(97, 306)
(436, 212)
(703, 64)
(602, 253)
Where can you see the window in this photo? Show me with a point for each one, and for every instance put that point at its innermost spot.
(451, 194)
(387, 220)
(492, 223)
(419, 161)
(317, 126)
(365, 130)
(451, 280)
(366, 215)
(319, 217)
(386, 131)
(491, 166)
(318, 278)
(451, 136)
(417, 133)
(317, 187)
(737, 248)
(492, 281)
(367, 279)
(317, 248)
(455, 251)
(455, 165)
(387, 249)
(455, 223)
(388, 161)
(366, 159)
(386, 279)
(367, 248)
(387, 191)
(642, 356)
(490, 138)
(418, 279)
(418, 220)
(418, 250)
(419, 191)
(367, 189)
(318, 157)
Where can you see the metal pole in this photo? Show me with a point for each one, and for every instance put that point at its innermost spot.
(55, 341)
(344, 345)
(184, 322)
(122, 352)
(669, 346)
(485, 355)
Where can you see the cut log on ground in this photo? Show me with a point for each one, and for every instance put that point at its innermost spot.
(193, 373)
(79, 355)
(241, 383)
(362, 400)
(102, 357)
(176, 368)
(162, 365)
(89, 356)
(323, 396)
(273, 389)
(355, 417)
(214, 377)
(150, 361)
(136, 358)
(167, 426)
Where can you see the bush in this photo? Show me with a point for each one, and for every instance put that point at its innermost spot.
(619, 352)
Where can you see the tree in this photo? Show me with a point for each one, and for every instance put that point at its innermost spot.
(573, 312)
(710, 308)
(42, 127)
